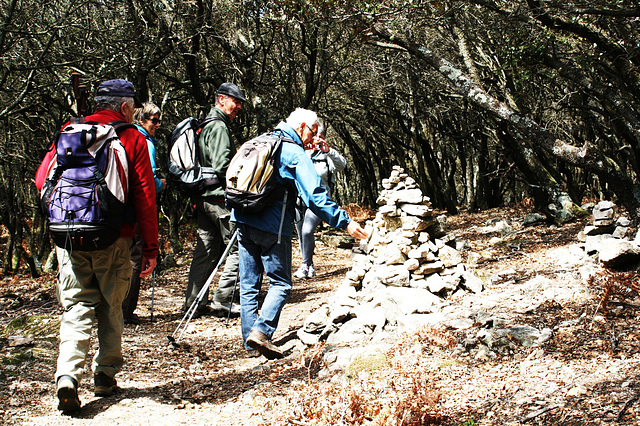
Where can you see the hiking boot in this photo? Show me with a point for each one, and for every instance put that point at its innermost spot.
(302, 272)
(224, 309)
(260, 342)
(67, 391)
(132, 320)
(311, 272)
(104, 385)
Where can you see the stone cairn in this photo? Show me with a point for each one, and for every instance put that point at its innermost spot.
(406, 268)
(610, 238)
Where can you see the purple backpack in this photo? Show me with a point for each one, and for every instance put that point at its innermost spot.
(85, 193)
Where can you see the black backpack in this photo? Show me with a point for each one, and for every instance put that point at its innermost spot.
(185, 170)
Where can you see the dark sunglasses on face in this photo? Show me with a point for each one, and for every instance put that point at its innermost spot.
(155, 120)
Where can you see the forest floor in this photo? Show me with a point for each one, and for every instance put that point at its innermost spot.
(586, 374)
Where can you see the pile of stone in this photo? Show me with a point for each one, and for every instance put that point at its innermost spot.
(610, 238)
(407, 267)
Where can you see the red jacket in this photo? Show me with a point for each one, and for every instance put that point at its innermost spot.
(142, 191)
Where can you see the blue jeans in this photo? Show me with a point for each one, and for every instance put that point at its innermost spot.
(260, 252)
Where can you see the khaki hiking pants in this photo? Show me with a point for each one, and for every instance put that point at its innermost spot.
(92, 285)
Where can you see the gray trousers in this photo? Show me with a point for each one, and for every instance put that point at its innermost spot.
(306, 228)
(214, 233)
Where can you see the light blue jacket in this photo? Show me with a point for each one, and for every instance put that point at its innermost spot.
(298, 175)
(151, 147)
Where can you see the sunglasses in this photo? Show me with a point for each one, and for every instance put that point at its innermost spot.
(154, 120)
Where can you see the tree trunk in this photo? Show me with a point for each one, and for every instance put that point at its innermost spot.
(587, 156)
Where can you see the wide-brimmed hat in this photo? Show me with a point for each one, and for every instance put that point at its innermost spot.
(118, 87)
(232, 90)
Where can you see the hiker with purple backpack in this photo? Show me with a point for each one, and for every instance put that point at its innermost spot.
(95, 273)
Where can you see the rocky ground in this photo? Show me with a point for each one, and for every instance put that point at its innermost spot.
(536, 277)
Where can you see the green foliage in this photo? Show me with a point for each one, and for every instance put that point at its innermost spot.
(568, 67)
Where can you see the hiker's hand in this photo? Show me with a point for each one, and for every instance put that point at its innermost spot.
(322, 144)
(148, 265)
(355, 230)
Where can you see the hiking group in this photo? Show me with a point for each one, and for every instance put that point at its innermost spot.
(99, 185)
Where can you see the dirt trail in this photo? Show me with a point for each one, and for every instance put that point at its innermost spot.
(207, 379)
(587, 374)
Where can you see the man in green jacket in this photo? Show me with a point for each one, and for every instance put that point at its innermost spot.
(214, 226)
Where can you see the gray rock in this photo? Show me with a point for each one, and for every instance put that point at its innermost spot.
(392, 255)
(393, 275)
(414, 223)
(436, 284)
(603, 213)
(408, 196)
(350, 331)
(449, 256)
(512, 337)
(439, 227)
(412, 264)
(461, 323)
(563, 216)
(472, 282)
(420, 210)
(594, 243)
(339, 313)
(308, 339)
(588, 206)
(412, 300)
(533, 219)
(615, 253)
(430, 268)
(371, 316)
(620, 232)
(420, 252)
(317, 320)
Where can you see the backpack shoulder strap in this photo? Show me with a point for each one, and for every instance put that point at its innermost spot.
(207, 121)
(120, 125)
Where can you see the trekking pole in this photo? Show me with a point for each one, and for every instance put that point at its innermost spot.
(192, 309)
(153, 290)
(233, 295)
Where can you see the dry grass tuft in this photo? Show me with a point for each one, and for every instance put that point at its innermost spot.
(620, 284)
(393, 393)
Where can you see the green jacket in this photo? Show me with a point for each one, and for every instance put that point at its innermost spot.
(216, 149)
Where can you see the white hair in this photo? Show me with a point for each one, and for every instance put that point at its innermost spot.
(301, 115)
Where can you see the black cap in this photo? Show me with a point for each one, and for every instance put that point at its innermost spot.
(232, 90)
(120, 88)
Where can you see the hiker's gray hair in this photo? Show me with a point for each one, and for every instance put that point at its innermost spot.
(112, 103)
(301, 115)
